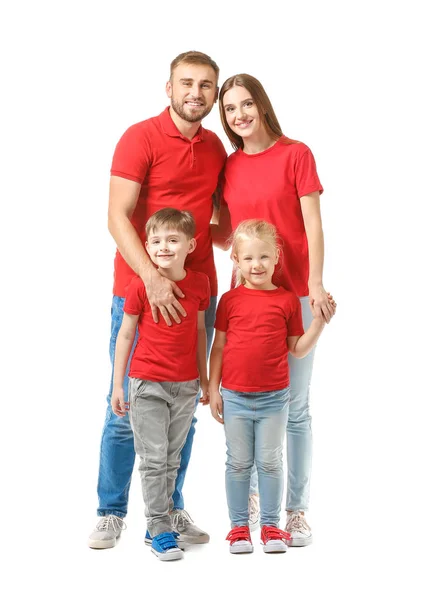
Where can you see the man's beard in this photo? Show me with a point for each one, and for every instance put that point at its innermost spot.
(186, 115)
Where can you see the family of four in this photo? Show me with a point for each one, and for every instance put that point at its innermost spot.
(173, 194)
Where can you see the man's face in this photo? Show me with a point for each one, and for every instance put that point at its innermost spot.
(192, 91)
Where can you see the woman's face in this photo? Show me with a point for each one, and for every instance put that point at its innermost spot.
(241, 113)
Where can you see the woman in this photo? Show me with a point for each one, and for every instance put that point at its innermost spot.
(274, 178)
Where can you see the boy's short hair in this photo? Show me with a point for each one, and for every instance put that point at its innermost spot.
(172, 218)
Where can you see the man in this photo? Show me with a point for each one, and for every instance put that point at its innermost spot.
(167, 161)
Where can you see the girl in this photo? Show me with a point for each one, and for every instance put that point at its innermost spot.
(274, 178)
(257, 324)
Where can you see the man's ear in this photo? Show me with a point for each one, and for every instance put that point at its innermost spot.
(169, 89)
(217, 95)
(192, 245)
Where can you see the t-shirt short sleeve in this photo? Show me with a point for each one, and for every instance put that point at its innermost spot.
(306, 178)
(221, 322)
(295, 321)
(135, 297)
(205, 293)
(132, 157)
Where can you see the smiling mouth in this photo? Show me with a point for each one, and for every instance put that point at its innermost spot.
(244, 124)
(262, 273)
(194, 104)
(165, 256)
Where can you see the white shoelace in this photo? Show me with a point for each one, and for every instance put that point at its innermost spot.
(297, 522)
(182, 517)
(111, 522)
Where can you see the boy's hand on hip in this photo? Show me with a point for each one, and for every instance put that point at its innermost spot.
(161, 294)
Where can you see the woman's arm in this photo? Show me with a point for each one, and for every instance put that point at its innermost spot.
(202, 357)
(216, 359)
(124, 342)
(310, 207)
(221, 227)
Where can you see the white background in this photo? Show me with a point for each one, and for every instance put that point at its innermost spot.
(343, 78)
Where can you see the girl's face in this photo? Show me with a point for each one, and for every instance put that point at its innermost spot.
(241, 113)
(256, 260)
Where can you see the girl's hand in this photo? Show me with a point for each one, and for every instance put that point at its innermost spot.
(118, 402)
(205, 397)
(216, 406)
(323, 302)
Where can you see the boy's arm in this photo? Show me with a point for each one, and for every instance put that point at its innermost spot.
(124, 342)
(202, 357)
(216, 359)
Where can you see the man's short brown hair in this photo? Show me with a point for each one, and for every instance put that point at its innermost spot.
(192, 57)
(171, 218)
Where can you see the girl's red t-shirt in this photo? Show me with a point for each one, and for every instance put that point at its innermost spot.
(257, 324)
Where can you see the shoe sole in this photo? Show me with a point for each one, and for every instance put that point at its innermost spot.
(241, 549)
(299, 543)
(101, 544)
(168, 555)
(187, 539)
(181, 545)
(274, 549)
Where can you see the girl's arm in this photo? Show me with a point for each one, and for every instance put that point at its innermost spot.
(216, 403)
(300, 345)
(310, 207)
(202, 357)
(124, 342)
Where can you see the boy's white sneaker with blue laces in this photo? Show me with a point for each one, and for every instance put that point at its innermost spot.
(164, 546)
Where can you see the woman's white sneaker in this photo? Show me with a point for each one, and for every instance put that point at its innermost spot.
(299, 529)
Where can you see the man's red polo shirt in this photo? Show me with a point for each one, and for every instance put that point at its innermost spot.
(173, 172)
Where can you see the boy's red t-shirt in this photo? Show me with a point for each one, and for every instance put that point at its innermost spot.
(173, 172)
(166, 353)
(257, 324)
(268, 185)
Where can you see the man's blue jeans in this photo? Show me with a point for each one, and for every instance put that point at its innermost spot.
(117, 454)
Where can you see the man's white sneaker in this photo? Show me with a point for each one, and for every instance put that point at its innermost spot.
(299, 529)
(253, 512)
(107, 531)
(188, 532)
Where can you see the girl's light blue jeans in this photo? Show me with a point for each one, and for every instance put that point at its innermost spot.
(255, 425)
(298, 430)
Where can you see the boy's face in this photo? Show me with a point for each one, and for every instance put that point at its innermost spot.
(169, 248)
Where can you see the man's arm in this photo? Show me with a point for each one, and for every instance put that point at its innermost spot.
(310, 207)
(123, 198)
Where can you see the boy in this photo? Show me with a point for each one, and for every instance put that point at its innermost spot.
(167, 369)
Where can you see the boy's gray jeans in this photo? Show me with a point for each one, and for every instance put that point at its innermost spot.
(160, 414)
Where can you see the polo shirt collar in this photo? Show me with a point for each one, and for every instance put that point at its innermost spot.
(170, 129)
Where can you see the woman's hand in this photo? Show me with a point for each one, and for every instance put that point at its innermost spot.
(216, 405)
(322, 302)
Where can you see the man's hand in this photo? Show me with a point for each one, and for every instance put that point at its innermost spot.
(118, 402)
(161, 294)
(322, 301)
(216, 405)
